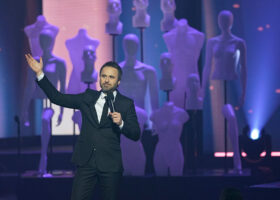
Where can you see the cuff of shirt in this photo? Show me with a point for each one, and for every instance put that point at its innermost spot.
(40, 77)
(121, 126)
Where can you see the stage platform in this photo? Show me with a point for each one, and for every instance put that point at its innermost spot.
(206, 182)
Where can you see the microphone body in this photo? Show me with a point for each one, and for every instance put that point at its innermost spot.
(110, 101)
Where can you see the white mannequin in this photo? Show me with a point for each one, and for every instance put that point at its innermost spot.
(184, 43)
(33, 31)
(168, 123)
(54, 68)
(114, 9)
(193, 100)
(75, 47)
(141, 19)
(228, 113)
(133, 154)
(167, 80)
(228, 53)
(169, 21)
(137, 76)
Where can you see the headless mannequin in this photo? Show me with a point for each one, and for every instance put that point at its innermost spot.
(132, 150)
(88, 77)
(141, 19)
(169, 21)
(229, 54)
(33, 31)
(184, 43)
(137, 75)
(167, 81)
(228, 113)
(114, 9)
(75, 48)
(54, 68)
(168, 123)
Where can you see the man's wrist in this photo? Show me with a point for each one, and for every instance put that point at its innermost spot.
(40, 76)
(121, 125)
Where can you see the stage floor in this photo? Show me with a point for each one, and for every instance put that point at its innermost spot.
(204, 184)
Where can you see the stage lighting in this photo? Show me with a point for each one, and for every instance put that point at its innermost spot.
(255, 144)
(255, 134)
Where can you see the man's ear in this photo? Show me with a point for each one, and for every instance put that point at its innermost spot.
(119, 82)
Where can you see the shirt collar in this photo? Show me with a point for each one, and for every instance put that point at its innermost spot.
(103, 94)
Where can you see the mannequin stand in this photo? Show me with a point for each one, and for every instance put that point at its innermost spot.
(51, 145)
(142, 43)
(225, 130)
(113, 47)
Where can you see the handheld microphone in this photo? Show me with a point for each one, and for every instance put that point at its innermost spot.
(111, 98)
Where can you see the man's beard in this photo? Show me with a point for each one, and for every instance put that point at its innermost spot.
(108, 90)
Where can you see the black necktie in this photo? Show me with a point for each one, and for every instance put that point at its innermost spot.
(105, 110)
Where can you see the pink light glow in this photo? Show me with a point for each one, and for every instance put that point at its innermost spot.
(277, 91)
(260, 28)
(267, 26)
(222, 154)
(275, 154)
(211, 87)
(236, 5)
(250, 111)
(243, 154)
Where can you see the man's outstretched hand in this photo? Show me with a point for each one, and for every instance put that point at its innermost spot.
(36, 66)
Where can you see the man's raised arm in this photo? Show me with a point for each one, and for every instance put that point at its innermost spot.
(65, 100)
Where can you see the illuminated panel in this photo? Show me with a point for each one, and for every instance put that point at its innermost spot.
(70, 16)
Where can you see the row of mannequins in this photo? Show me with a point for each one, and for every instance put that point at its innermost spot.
(225, 54)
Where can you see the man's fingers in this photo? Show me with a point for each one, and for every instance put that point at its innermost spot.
(115, 114)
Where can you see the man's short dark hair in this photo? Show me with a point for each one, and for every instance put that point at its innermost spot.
(114, 65)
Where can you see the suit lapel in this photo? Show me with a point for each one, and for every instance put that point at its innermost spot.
(90, 101)
(117, 101)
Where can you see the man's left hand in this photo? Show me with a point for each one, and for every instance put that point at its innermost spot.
(116, 117)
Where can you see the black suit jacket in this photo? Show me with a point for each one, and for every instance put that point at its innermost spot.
(101, 140)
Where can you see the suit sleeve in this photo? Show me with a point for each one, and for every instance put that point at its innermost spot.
(131, 127)
(56, 97)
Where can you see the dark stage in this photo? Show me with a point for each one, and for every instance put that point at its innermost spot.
(206, 182)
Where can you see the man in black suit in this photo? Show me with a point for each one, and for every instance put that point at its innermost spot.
(97, 153)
